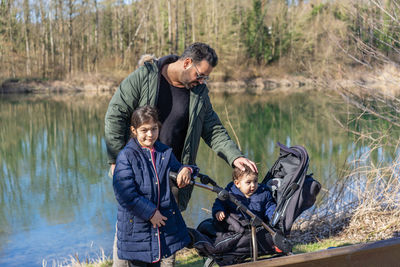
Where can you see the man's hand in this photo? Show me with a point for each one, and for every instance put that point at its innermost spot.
(184, 177)
(241, 162)
(220, 215)
(158, 219)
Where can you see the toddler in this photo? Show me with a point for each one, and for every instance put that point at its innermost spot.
(256, 197)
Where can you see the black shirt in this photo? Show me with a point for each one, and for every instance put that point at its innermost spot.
(173, 106)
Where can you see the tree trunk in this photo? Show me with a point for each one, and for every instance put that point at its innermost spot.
(70, 31)
(185, 32)
(115, 36)
(169, 27)
(209, 21)
(176, 27)
(239, 30)
(43, 39)
(96, 36)
(193, 23)
(10, 36)
(215, 23)
(146, 32)
(120, 22)
(137, 30)
(62, 37)
(27, 37)
(160, 39)
(52, 54)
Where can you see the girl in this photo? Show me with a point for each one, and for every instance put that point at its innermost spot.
(149, 223)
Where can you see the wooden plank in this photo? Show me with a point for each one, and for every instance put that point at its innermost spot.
(385, 253)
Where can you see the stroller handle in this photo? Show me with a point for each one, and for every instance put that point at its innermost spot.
(204, 181)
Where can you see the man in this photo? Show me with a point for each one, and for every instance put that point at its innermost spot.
(177, 87)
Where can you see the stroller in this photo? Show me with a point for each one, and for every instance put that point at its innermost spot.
(293, 190)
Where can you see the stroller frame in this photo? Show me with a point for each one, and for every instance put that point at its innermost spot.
(293, 190)
(282, 245)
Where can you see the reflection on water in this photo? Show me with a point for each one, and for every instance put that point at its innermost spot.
(56, 199)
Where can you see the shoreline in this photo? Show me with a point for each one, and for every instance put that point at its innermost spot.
(97, 85)
(383, 80)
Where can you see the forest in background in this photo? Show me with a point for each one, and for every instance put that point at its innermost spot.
(57, 39)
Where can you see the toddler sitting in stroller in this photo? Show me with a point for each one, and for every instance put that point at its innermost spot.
(256, 197)
(285, 192)
(226, 238)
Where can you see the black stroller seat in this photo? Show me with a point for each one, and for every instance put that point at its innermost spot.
(230, 244)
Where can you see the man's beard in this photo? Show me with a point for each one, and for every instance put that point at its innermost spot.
(185, 80)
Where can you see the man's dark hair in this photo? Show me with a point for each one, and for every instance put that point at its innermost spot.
(199, 52)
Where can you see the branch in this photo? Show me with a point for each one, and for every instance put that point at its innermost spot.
(233, 130)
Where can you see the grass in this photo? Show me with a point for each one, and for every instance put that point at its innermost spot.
(101, 261)
(325, 244)
(189, 258)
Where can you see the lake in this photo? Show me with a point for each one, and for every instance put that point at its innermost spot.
(57, 202)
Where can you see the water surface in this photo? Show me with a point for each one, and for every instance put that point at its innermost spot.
(56, 201)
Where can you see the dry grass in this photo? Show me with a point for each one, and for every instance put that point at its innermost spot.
(101, 260)
(364, 205)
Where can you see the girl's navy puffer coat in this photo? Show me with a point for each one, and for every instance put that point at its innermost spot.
(140, 188)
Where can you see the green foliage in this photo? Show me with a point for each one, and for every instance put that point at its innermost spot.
(259, 40)
(3, 13)
(318, 9)
(340, 14)
(377, 26)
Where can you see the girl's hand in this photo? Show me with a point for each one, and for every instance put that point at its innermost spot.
(220, 215)
(158, 219)
(184, 177)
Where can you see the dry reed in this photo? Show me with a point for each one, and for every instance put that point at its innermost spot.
(366, 210)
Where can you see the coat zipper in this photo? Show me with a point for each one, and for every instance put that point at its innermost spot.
(158, 201)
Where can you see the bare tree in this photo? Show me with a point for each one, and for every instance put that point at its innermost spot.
(176, 46)
(193, 22)
(61, 29)
(136, 32)
(43, 39)
(159, 30)
(120, 23)
(52, 54)
(27, 36)
(10, 38)
(96, 35)
(169, 26)
(70, 32)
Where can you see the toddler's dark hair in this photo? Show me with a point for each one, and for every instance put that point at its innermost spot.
(238, 173)
(144, 115)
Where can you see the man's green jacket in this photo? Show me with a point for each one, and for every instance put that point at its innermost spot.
(141, 88)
